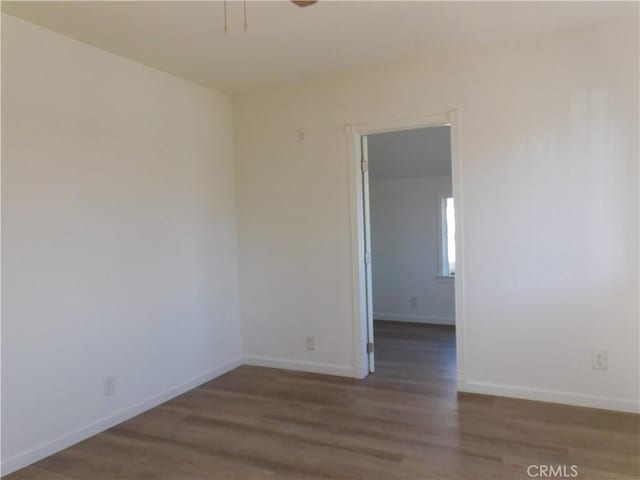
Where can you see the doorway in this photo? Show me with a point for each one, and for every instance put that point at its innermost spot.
(403, 292)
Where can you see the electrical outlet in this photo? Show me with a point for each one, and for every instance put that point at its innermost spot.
(109, 386)
(413, 302)
(309, 343)
(599, 360)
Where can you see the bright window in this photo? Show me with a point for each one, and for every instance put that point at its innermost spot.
(448, 242)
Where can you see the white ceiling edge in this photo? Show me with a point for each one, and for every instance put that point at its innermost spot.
(285, 44)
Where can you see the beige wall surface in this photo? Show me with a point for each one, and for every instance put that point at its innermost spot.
(549, 158)
(118, 239)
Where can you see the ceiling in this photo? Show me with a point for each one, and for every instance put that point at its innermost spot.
(285, 43)
(422, 152)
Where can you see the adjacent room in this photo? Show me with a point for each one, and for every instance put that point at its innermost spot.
(411, 214)
(320, 240)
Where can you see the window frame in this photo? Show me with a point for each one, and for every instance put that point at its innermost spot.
(443, 272)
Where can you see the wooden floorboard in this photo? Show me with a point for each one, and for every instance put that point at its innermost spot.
(406, 421)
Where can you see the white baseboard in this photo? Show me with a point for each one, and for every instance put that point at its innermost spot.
(54, 445)
(399, 317)
(314, 367)
(552, 396)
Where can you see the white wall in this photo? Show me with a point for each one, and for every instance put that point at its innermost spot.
(405, 250)
(118, 236)
(549, 157)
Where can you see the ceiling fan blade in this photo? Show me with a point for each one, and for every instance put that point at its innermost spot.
(303, 3)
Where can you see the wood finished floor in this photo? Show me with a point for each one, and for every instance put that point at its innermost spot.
(404, 422)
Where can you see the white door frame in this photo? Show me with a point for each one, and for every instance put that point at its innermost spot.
(359, 284)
